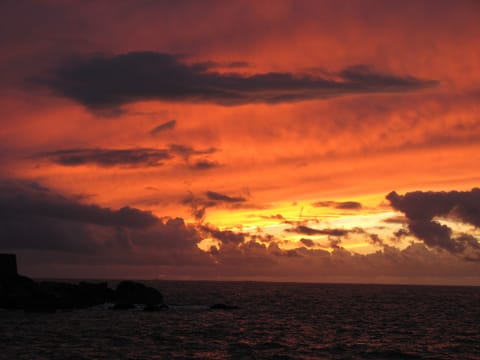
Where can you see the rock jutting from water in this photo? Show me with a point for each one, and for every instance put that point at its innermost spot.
(8, 266)
(129, 293)
(21, 292)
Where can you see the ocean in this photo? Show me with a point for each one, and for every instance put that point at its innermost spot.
(273, 321)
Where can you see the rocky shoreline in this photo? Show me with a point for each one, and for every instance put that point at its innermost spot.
(23, 293)
(19, 292)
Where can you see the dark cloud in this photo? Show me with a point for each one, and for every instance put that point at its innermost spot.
(37, 186)
(215, 196)
(169, 125)
(210, 65)
(108, 157)
(134, 157)
(18, 200)
(225, 236)
(103, 81)
(401, 233)
(80, 244)
(434, 234)
(395, 220)
(421, 205)
(307, 242)
(374, 239)
(199, 204)
(345, 205)
(274, 217)
(349, 205)
(305, 230)
(421, 209)
(33, 219)
(186, 151)
(204, 165)
(336, 244)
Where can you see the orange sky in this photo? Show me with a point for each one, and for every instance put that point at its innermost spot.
(281, 127)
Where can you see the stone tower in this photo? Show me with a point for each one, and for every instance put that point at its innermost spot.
(8, 266)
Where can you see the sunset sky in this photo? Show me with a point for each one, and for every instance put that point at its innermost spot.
(323, 141)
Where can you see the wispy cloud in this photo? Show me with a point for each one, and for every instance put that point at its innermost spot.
(169, 125)
(215, 196)
(343, 205)
(103, 81)
(199, 204)
(204, 165)
(108, 157)
(130, 157)
(306, 230)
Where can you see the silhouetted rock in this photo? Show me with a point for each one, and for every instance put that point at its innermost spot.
(123, 306)
(8, 266)
(41, 307)
(20, 292)
(130, 292)
(97, 293)
(223, 307)
(24, 293)
(64, 295)
(153, 308)
(77, 296)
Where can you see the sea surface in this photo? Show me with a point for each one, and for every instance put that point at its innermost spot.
(274, 321)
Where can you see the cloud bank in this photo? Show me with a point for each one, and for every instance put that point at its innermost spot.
(36, 220)
(423, 208)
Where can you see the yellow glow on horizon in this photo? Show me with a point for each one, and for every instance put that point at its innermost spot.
(280, 217)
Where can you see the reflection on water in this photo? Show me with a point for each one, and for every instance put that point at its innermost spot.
(280, 321)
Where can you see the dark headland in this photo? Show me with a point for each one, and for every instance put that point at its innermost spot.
(21, 292)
